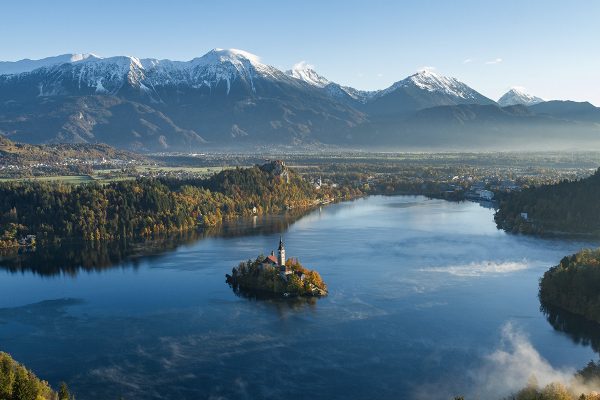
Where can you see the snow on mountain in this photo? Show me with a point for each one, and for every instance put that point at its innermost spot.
(422, 90)
(214, 67)
(162, 104)
(431, 82)
(305, 72)
(109, 75)
(100, 75)
(517, 95)
(362, 96)
(223, 69)
(27, 65)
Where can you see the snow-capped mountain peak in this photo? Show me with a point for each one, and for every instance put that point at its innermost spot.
(447, 90)
(231, 55)
(305, 72)
(83, 56)
(226, 65)
(432, 82)
(517, 95)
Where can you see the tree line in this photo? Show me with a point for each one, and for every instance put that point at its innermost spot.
(147, 207)
(18, 383)
(573, 284)
(568, 207)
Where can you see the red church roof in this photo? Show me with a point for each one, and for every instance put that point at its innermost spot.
(273, 259)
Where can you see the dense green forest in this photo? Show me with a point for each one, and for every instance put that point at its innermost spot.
(256, 276)
(148, 207)
(573, 285)
(18, 383)
(569, 207)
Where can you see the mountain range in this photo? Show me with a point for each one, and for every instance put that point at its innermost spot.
(229, 99)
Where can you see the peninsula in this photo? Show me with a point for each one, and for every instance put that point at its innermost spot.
(572, 285)
(276, 276)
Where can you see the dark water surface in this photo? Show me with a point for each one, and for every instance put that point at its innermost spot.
(427, 300)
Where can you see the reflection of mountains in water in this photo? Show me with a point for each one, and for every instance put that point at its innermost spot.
(580, 330)
(72, 257)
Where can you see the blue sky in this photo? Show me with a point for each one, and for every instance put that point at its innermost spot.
(552, 48)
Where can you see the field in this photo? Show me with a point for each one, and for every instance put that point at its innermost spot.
(190, 170)
(113, 175)
(71, 179)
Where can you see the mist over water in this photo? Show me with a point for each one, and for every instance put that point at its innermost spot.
(427, 300)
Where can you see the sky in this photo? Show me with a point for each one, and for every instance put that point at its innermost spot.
(551, 48)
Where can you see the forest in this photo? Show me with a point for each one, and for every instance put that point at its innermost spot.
(565, 208)
(18, 383)
(573, 284)
(149, 207)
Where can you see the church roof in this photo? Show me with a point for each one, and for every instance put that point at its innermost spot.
(272, 259)
(280, 243)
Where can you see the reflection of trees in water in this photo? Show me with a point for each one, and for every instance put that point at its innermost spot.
(580, 330)
(72, 257)
(281, 304)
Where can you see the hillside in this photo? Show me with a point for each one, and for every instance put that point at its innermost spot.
(24, 152)
(150, 207)
(573, 284)
(18, 383)
(566, 208)
(18, 160)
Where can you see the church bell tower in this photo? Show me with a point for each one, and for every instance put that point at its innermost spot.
(281, 253)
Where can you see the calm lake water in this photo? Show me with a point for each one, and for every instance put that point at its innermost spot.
(427, 300)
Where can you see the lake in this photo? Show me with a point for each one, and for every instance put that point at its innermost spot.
(427, 300)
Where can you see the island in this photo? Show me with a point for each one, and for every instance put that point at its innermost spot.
(276, 276)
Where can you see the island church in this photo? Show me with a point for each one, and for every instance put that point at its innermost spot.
(278, 262)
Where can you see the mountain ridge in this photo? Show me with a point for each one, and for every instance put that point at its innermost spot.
(231, 99)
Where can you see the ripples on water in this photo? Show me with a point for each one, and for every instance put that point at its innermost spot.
(427, 300)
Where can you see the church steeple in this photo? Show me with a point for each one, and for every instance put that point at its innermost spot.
(281, 252)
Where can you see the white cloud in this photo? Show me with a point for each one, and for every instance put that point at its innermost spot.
(495, 61)
(468, 60)
(301, 65)
(514, 364)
